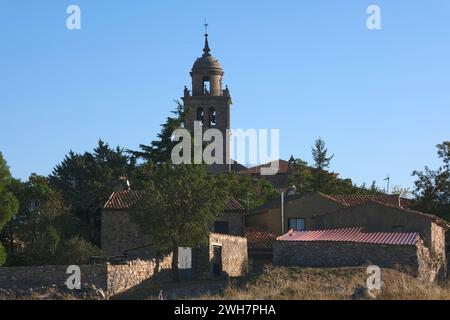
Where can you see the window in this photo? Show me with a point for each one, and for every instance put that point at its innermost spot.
(200, 115)
(221, 227)
(212, 116)
(206, 86)
(296, 224)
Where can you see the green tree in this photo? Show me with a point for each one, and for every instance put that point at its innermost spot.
(87, 180)
(323, 180)
(251, 192)
(302, 176)
(41, 225)
(160, 150)
(8, 203)
(432, 187)
(320, 155)
(181, 203)
(308, 178)
(77, 251)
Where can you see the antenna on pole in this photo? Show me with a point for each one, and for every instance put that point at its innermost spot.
(388, 179)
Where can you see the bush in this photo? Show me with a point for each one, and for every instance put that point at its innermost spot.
(77, 251)
(2, 255)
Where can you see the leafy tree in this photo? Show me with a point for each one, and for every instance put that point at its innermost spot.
(8, 203)
(432, 187)
(160, 150)
(249, 191)
(302, 175)
(41, 225)
(86, 181)
(181, 203)
(77, 251)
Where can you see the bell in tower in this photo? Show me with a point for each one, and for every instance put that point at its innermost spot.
(208, 103)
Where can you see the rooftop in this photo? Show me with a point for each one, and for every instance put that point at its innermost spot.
(353, 235)
(123, 200)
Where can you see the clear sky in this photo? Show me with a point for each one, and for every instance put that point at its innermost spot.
(380, 99)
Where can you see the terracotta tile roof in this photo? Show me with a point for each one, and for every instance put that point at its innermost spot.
(259, 239)
(123, 200)
(283, 167)
(234, 205)
(354, 235)
(357, 199)
(441, 222)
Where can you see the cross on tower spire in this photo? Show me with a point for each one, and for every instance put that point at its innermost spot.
(206, 49)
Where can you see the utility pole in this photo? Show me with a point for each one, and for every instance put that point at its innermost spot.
(388, 179)
(282, 212)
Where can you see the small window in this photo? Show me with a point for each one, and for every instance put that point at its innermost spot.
(212, 117)
(221, 227)
(200, 115)
(296, 224)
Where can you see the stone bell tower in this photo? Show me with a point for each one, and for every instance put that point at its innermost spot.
(208, 103)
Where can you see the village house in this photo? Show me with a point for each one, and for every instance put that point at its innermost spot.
(383, 233)
(349, 247)
(226, 253)
(313, 227)
(295, 211)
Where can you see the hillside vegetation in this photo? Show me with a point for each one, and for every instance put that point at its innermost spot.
(280, 283)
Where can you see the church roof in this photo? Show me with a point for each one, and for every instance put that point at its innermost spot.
(124, 200)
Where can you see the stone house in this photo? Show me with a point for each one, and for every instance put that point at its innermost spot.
(376, 216)
(355, 247)
(225, 253)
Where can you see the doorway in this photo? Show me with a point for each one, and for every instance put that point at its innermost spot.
(217, 261)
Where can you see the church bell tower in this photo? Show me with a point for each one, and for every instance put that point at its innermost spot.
(208, 103)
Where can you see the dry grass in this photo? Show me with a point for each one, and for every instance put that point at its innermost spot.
(280, 283)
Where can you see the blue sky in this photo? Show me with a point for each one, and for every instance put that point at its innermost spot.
(380, 99)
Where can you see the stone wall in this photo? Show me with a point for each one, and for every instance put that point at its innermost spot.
(343, 254)
(43, 276)
(120, 233)
(123, 277)
(234, 253)
(111, 278)
(416, 260)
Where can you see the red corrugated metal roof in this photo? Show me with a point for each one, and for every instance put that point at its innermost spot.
(123, 200)
(259, 239)
(355, 235)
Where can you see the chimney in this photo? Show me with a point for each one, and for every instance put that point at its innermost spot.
(123, 184)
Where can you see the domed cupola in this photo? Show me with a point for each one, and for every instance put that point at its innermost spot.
(207, 63)
(207, 74)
